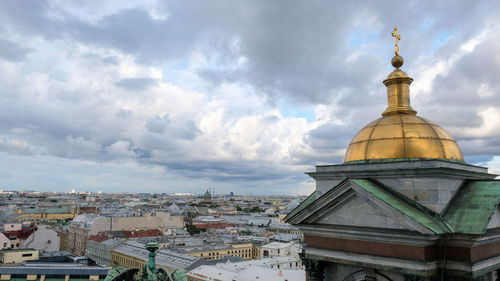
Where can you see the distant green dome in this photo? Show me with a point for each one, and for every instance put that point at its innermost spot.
(207, 195)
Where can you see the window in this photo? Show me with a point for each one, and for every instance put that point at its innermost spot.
(28, 255)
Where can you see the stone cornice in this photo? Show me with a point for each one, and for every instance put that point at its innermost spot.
(435, 168)
(398, 236)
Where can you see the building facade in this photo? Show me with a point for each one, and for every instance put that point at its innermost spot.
(4, 241)
(17, 255)
(216, 252)
(43, 239)
(403, 206)
(37, 213)
(100, 251)
(86, 225)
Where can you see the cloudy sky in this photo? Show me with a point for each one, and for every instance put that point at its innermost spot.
(242, 96)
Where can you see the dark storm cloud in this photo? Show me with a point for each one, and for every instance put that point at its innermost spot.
(136, 84)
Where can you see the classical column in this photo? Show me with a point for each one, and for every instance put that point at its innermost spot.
(314, 268)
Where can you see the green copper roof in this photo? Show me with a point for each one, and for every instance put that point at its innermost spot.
(471, 210)
(311, 198)
(434, 224)
(207, 195)
(179, 275)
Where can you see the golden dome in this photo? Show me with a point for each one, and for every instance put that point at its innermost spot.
(402, 136)
(400, 133)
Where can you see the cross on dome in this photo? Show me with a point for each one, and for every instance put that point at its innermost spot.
(397, 37)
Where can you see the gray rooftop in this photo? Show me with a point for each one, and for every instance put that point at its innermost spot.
(54, 271)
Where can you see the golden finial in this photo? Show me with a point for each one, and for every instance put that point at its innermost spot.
(396, 37)
(398, 85)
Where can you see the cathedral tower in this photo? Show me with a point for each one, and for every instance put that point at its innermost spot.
(403, 206)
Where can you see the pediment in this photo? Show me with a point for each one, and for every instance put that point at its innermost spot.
(358, 212)
(364, 203)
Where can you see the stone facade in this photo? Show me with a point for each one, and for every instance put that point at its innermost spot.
(4, 241)
(401, 221)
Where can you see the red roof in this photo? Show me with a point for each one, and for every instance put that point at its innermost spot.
(142, 233)
(20, 234)
(99, 237)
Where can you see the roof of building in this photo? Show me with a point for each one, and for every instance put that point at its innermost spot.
(310, 199)
(277, 245)
(285, 237)
(249, 270)
(259, 221)
(20, 234)
(213, 247)
(471, 210)
(164, 257)
(410, 209)
(17, 250)
(142, 233)
(207, 195)
(112, 242)
(400, 133)
(212, 225)
(258, 273)
(99, 237)
(48, 210)
(94, 270)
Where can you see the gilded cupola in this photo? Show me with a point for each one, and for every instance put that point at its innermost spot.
(400, 133)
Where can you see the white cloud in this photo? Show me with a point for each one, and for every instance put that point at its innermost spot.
(190, 93)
